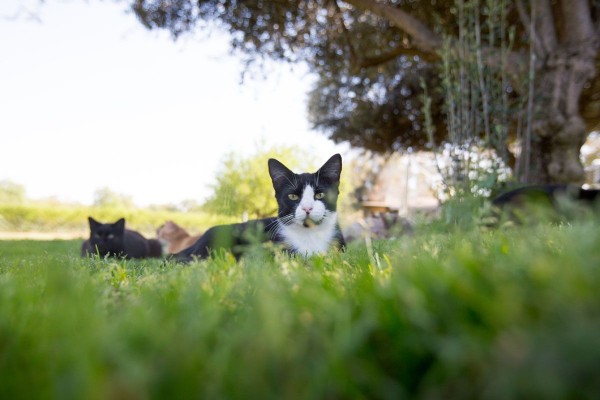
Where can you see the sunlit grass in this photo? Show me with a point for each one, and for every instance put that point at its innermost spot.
(479, 313)
(41, 217)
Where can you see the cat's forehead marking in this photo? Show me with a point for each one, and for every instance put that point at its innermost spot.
(308, 194)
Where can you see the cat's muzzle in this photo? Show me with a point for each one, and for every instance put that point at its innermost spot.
(310, 223)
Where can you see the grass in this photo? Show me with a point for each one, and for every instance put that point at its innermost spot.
(454, 313)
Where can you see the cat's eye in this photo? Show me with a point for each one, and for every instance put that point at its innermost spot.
(319, 195)
(293, 196)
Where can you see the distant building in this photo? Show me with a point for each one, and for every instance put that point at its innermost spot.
(405, 185)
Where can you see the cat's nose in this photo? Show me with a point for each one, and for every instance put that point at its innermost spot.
(307, 209)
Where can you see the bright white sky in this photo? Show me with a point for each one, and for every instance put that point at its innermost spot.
(89, 99)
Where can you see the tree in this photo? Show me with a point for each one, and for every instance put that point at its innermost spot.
(11, 192)
(106, 197)
(243, 185)
(370, 56)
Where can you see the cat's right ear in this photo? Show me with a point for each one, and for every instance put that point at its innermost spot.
(280, 174)
(120, 225)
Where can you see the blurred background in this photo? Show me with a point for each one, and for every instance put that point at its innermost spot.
(159, 110)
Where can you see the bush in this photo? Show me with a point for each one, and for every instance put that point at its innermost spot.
(53, 217)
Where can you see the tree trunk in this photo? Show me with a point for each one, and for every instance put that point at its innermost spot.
(558, 130)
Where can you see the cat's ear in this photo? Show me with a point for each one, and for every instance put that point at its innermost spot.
(93, 223)
(332, 169)
(279, 172)
(120, 225)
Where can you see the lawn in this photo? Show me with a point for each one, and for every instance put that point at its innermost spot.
(449, 313)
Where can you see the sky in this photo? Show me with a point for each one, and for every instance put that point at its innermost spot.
(91, 99)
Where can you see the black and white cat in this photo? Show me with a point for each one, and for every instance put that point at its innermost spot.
(306, 222)
(113, 239)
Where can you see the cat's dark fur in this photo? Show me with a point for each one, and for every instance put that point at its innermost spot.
(552, 202)
(306, 222)
(114, 240)
(546, 193)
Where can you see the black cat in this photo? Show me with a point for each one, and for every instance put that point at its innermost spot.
(550, 201)
(114, 240)
(306, 222)
(548, 194)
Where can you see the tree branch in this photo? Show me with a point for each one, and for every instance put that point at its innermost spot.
(547, 27)
(428, 42)
(366, 62)
(353, 57)
(529, 25)
(424, 37)
(577, 19)
(544, 37)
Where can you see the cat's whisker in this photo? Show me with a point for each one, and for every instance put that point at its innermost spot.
(292, 184)
(287, 218)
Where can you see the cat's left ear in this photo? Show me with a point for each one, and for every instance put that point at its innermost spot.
(93, 223)
(279, 172)
(332, 169)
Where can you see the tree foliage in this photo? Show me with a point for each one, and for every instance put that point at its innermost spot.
(105, 197)
(243, 186)
(370, 57)
(11, 192)
(364, 95)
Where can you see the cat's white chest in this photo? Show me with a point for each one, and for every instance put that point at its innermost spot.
(313, 240)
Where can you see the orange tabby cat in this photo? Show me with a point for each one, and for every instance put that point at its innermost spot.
(174, 238)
